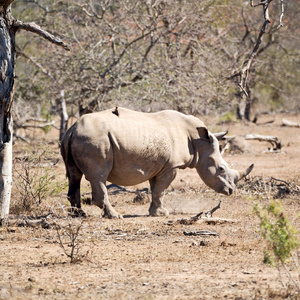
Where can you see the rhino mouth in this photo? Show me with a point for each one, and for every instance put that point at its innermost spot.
(224, 187)
(227, 191)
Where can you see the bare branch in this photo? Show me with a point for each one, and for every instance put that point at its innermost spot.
(42, 126)
(282, 13)
(281, 16)
(247, 31)
(32, 27)
(117, 60)
(243, 73)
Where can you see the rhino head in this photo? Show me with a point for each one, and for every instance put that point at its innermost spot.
(211, 166)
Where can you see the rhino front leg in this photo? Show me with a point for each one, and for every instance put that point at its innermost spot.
(158, 186)
(100, 198)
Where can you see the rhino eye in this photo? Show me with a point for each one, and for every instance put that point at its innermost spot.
(221, 169)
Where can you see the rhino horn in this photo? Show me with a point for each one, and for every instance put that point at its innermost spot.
(246, 172)
(220, 135)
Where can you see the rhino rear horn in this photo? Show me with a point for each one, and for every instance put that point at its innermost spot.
(220, 135)
(246, 172)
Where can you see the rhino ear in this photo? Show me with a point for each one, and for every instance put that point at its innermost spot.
(204, 134)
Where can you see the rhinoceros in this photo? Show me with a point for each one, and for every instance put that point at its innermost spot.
(127, 147)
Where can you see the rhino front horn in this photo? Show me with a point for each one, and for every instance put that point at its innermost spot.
(246, 172)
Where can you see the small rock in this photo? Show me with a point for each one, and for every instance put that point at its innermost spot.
(203, 243)
(194, 243)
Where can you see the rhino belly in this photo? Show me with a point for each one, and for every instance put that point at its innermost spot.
(130, 172)
(128, 178)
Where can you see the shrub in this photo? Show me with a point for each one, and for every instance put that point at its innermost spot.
(281, 239)
(35, 179)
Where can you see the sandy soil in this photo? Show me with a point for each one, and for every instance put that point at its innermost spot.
(141, 257)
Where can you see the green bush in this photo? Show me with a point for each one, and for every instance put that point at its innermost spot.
(281, 241)
(280, 235)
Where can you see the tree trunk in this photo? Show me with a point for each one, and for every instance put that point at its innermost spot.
(244, 107)
(7, 62)
(63, 115)
(8, 28)
(5, 169)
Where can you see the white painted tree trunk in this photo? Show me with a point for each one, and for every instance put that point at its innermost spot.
(63, 115)
(5, 174)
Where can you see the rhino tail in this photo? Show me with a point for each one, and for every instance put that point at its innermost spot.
(65, 149)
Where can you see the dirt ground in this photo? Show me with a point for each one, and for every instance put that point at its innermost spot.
(141, 257)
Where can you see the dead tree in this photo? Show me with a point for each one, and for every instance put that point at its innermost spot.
(243, 110)
(9, 26)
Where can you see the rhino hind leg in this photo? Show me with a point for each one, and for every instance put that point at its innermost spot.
(100, 198)
(158, 186)
(74, 192)
(74, 189)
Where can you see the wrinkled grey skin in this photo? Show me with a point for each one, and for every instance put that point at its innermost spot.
(131, 147)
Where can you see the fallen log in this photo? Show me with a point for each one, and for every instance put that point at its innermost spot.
(273, 140)
(24, 221)
(200, 232)
(198, 217)
(290, 123)
(237, 143)
(217, 221)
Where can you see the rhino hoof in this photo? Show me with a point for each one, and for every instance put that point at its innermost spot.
(109, 212)
(77, 213)
(112, 215)
(115, 216)
(159, 211)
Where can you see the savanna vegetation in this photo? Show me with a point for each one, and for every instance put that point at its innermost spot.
(150, 55)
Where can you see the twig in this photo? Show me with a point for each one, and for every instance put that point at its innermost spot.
(22, 138)
(27, 125)
(198, 216)
(280, 180)
(209, 213)
(281, 15)
(296, 286)
(73, 233)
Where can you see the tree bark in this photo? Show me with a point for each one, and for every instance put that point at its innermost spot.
(7, 62)
(244, 105)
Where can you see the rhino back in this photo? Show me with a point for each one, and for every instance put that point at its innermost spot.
(142, 144)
